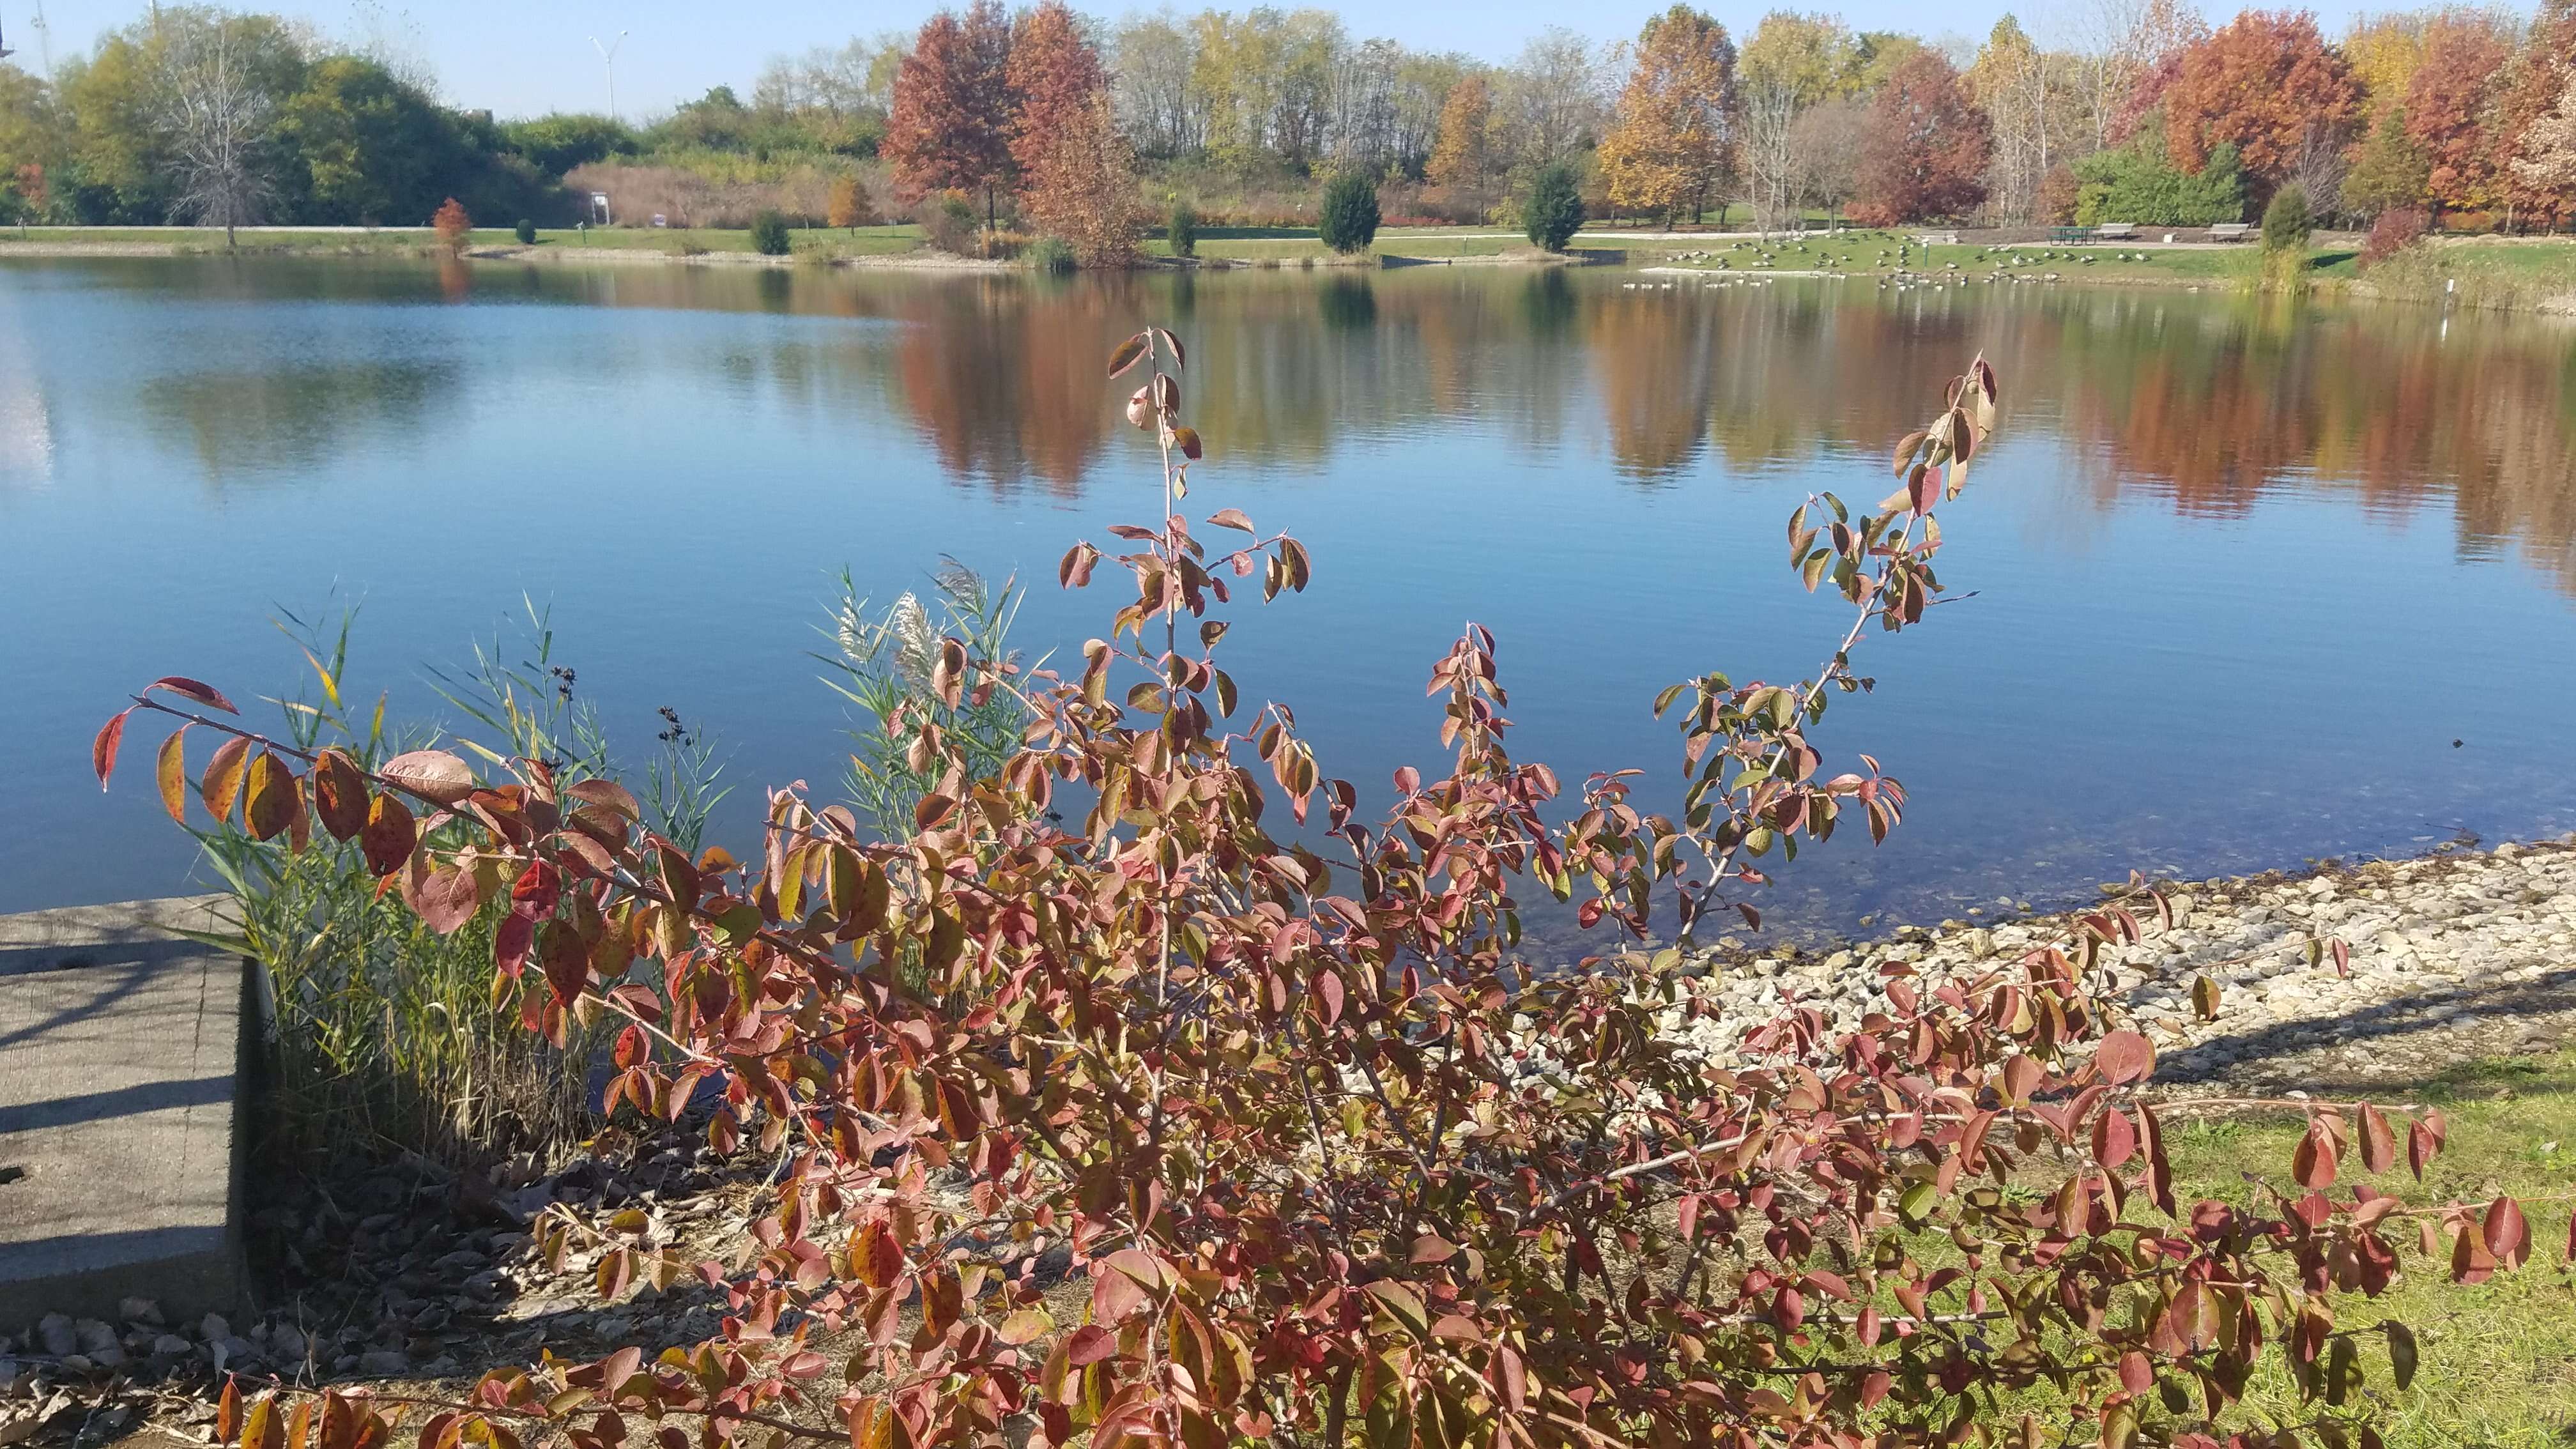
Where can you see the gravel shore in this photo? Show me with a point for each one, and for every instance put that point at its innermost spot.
(2460, 954)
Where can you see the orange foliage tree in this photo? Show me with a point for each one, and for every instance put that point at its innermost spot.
(453, 226)
(1674, 140)
(2266, 82)
(848, 206)
(950, 126)
(1925, 150)
(2451, 105)
(1055, 77)
(1463, 154)
(1082, 186)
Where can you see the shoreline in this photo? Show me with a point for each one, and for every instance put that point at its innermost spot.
(2458, 953)
(1903, 279)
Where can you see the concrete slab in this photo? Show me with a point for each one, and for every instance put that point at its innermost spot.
(123, 1053)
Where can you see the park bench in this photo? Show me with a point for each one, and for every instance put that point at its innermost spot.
(2230, 231)
(2115, 231)
(2070, 233)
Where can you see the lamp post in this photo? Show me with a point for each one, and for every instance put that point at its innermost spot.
(608, 59)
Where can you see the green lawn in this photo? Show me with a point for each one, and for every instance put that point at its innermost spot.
(863, 241)
(2499, 1359)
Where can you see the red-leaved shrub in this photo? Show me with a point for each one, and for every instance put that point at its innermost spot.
(2396, 229)
(1324, 1155)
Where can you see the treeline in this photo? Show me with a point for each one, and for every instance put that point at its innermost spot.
(2136, 110)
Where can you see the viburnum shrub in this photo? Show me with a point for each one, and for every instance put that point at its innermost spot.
(1167, 1124)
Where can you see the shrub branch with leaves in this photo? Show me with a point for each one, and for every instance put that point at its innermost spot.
(1331, 1159)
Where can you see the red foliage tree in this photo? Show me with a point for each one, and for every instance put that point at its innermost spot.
(2451, 106)
(950, 127)
(1926, 148)
(453, 226)
(2262, 81)
(2532, 92)
(1055, 75)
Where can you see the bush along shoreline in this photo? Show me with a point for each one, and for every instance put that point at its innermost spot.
(1314, 1151)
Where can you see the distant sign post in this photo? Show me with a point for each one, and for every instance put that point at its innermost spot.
(599, 208)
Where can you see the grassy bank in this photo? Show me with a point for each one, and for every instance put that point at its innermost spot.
(2499, 1359)
(2501, 272)
(2516, 273)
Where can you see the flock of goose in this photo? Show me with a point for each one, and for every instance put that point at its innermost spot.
(1892, 266)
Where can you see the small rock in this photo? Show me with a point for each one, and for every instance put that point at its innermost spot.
(54, 1333)
(383, 1363)
(140, 1310)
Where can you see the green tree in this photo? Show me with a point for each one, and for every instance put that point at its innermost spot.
(1553, 209)
(1350, 212)
(2139, 184)
(372, 148)
(1182, 229)
(769, 234)
(2286, 222)
(557, 143)
(2389, 169)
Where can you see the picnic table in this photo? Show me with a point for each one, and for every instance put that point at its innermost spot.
(2070, 233)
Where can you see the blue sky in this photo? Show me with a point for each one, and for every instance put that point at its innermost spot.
(520, 57)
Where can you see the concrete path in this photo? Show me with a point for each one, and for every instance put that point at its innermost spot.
(122, 1056)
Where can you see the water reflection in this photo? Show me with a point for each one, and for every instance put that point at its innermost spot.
(2201, 497)
(2205, 404)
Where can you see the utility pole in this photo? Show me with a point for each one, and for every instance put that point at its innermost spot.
(608, 60)
(44, 39)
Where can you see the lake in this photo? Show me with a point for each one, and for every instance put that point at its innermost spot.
(2254, 583)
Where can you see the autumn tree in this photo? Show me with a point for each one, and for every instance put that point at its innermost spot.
(2383, 51)
(2013, 84)
(452, 226)
(1673, 141)
(2261, 83)
(1927, 148)
(2451, 105)
(950, 128)
(1793, 64)
(34, 195)
(2535, 92)
(1463, 156)
(1056, 80)
(2545, 169)
(847, 206)
(1082, 186)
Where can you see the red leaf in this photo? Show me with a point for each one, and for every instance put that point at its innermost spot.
(202, 693)
(2378, 1140)
(2313, 1163)
(388, 836)
(102, 751)
(2508, 1236)
(2125, 1057)
(1328, 997)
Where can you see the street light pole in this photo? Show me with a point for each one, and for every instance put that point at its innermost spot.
(608, 59)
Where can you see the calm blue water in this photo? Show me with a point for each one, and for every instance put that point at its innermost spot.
(2243, 573)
